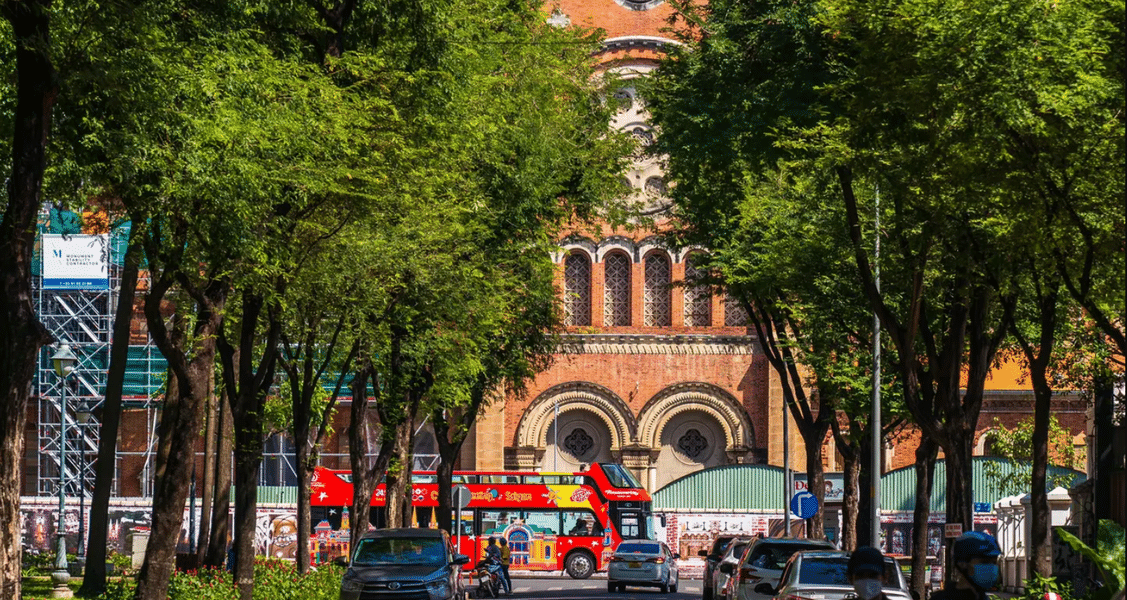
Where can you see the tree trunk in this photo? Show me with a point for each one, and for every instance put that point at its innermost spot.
(209, 440)
(248, 459)
(304, 511)
(1040, 550)
(221, 504)
(960, 504)
(21, 333)
(399, 476)
(94, 577)
(851, 473)
(926, 453)
(865, 491)
(816, 480)
(365, 476)
(179, 426)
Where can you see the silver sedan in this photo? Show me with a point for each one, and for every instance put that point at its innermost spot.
(643, 563)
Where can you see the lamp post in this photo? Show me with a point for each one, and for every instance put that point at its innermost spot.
(63, 361)
(83, 414)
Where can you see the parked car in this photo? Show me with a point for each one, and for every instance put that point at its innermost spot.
(404, 564)
(732, 555)
(763, 562)
(818, 574)
(711, 560)
(642, 563)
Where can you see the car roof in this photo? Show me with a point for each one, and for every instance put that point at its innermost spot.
(405, 532)
(794, 542)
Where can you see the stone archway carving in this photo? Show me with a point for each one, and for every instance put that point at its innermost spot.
(579, 395)
(696, 396)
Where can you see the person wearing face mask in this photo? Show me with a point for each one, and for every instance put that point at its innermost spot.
(866, 572)
(976, 568)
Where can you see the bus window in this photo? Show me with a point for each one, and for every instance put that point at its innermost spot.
(534, 479)
(424, 478)
(581, 522)
(463, 479)
(500, 479)
(545, 521)
(493, 522)
(620, 477)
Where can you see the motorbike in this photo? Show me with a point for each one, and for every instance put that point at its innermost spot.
(488, 573)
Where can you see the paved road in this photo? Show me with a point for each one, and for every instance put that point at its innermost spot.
(566, 588)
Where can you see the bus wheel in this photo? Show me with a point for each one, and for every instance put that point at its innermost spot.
(580, 565)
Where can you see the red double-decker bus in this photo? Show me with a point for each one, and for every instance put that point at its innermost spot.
(552, 521)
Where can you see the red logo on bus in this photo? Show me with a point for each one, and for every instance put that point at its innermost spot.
(580, 494)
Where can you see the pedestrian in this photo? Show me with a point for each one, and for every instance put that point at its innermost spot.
(866, 572)
(506, 560)
(491, 550)
(976, 568)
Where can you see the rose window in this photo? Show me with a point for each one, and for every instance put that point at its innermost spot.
(578, 443)
(692, 444)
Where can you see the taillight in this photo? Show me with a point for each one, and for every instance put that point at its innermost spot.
(659, 560)
(617, 559)
(794, 597)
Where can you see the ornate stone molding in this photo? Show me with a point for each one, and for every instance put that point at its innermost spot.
(658, 344)
(638, 41)
(700, 397)
(605, 404)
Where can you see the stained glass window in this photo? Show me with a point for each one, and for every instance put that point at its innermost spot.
(698, 299)
(658, 302)
(734, 313)
(616, 297)
(577, 290)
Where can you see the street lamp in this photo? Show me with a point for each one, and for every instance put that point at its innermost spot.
(82, 413)
(63, 361)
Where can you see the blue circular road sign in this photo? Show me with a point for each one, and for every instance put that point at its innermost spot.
(804, 504)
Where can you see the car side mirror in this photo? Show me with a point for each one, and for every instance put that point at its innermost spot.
(702, 553)
(676, 556)
(915, 595)
(460, 559)
(765, 588)
(726, 568)
(341, 561)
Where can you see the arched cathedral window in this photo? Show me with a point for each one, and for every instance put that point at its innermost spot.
(658, 301)
(698, 298)
(577, 290)
(734, 313)
(616, 295)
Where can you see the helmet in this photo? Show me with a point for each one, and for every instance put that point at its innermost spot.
(975, 544)
(865, 559)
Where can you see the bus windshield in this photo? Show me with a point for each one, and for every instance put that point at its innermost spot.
(620, 477)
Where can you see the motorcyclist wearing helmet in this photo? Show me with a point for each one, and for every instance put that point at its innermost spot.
(866, 572)
(976, 568)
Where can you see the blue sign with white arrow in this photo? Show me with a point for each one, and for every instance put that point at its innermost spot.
(804, 504)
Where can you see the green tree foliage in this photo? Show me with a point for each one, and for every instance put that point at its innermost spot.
(1017, 445)
(974, 122)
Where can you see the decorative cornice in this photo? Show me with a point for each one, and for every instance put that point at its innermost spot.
(638, 41)
(606, 343)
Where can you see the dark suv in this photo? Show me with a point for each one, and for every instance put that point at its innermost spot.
(711, 559)
(404, 564)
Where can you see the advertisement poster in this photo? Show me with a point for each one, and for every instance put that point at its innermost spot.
(76, 262)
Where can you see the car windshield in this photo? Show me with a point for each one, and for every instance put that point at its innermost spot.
(831, 570)
(638, 548)
(400, 551)
(737, 549)
(775, 556)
